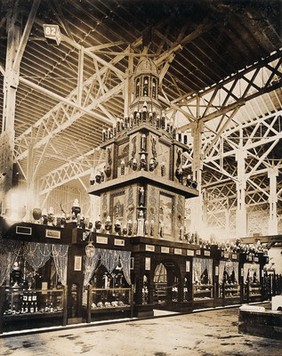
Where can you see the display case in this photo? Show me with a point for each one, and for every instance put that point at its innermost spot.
(229, 290)
(202, 278)
(201, 291)
(254, 289)
(105, 301)
(229, 279)
(252, 285)
(28, 308)
(160, 292)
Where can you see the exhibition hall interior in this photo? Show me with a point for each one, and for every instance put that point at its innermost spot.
(140, 161)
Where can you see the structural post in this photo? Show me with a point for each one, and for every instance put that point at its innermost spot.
(127, 92)
(204, 201)
(241, 213)
(197, 166)
(11, 81)
(273, 222)
(227, 220)
(95, 209)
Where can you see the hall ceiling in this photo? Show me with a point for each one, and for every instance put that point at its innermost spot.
(219, 61)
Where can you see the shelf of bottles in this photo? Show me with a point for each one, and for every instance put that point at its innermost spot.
(27, 302)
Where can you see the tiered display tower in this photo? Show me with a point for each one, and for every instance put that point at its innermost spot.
(142, 185)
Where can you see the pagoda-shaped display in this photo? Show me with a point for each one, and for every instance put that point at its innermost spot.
(142, 185)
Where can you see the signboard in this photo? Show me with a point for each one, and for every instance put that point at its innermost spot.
(150, 248)
(52, 32)
(23, 230)
(164, 249)
(53, 234)
(101, 240)
(119, 242)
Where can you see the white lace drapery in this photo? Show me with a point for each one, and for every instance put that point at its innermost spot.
(251, 272)
(60, 256)
(110, 259)
(36, 254)
(229, 267)
(9, 252)
(199, 267)
(90, 266)
(125, 258)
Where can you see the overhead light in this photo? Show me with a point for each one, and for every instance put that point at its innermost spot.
(52, 32)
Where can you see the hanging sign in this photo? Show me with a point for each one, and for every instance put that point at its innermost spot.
(52, 32)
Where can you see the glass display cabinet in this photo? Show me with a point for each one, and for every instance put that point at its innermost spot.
(201, 291)
(105, 301)
(230, 290)
(31, 307)
(202, 278)
(252, 284)
(229, 279)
